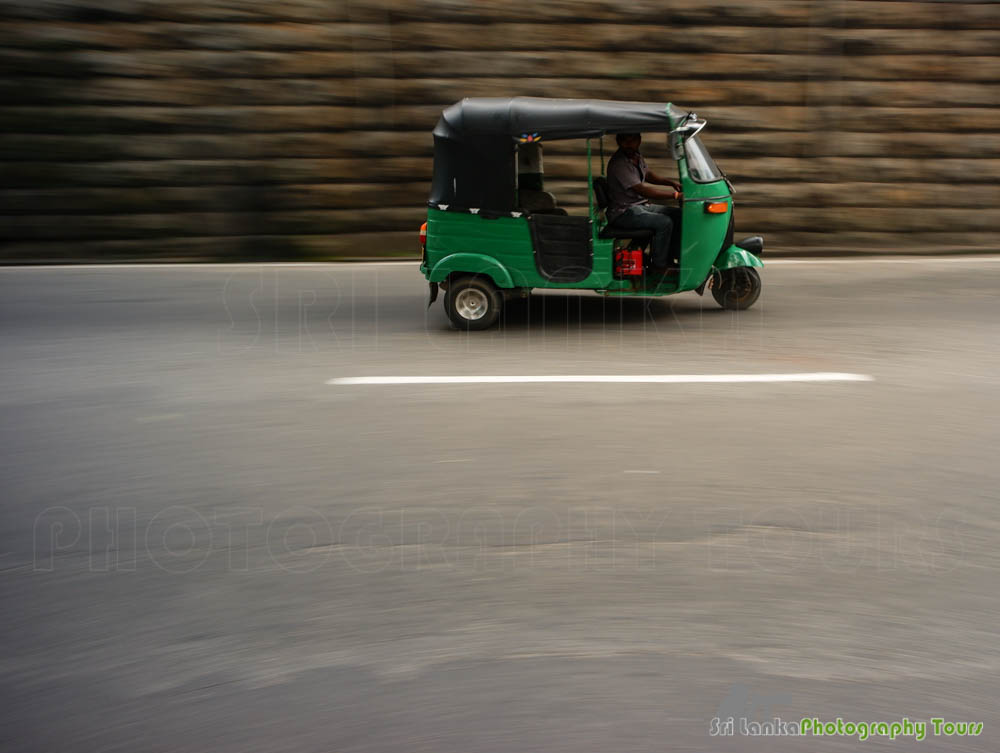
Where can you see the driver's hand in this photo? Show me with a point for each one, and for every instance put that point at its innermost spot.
(679, 196)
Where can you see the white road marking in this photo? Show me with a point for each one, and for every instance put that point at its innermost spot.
(607, 378)
(159, 417)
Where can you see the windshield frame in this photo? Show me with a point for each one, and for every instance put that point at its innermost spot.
(694, 144)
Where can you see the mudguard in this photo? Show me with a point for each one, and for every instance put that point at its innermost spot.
(734, 256)
(473, 264)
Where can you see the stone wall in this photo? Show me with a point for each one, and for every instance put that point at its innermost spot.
(301, 129)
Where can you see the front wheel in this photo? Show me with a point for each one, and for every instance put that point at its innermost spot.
(737, 288)
(473, 303)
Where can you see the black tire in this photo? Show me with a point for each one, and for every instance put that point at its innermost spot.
(737, 288)
(473, 303)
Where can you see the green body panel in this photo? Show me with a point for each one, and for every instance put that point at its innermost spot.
(501, 248)
(734, 256)
(702, 234)
(460, 242)
(475, 264)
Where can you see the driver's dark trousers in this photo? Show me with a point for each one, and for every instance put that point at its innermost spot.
(659, 219)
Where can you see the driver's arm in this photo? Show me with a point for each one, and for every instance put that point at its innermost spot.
(662, 181)
(653, 192)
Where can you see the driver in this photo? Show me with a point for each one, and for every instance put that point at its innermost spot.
(631, 184)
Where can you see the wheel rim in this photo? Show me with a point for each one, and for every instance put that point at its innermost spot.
(472, 304)
(737, 286)
(742, 285)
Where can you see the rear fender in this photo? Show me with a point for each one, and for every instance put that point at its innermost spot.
(476, 264)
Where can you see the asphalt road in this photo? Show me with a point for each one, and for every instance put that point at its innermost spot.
(204, 546)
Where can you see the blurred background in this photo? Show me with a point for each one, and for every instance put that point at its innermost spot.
(252, 130)
(209, 542)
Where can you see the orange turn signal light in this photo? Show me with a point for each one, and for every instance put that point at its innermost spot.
(717, 207)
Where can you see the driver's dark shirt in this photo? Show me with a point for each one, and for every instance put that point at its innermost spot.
(623, 176)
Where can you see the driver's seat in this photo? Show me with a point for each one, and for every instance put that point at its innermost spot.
(636, 238)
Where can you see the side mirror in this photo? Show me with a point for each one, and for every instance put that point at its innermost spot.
(685, 130)
(692, 128)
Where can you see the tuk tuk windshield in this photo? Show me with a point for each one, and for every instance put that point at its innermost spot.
(701, 166)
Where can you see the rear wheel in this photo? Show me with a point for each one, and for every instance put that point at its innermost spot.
(473, 303)
(737, 288)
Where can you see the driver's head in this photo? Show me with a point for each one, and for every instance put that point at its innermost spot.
(629, 142)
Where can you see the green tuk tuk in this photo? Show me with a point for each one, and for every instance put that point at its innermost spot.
(494, 233)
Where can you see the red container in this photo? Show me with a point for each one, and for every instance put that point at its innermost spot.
(628, 262)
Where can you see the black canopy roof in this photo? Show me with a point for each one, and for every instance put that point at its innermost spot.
(475, 140)
(551, 118)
